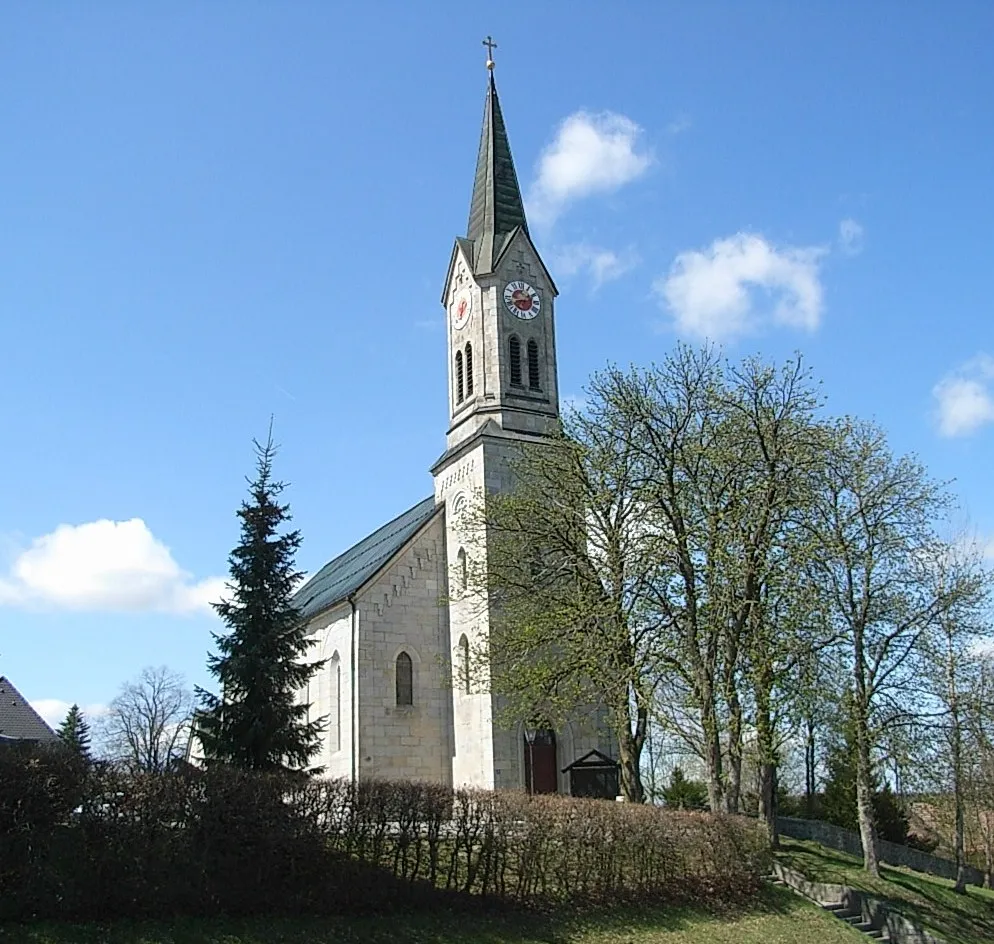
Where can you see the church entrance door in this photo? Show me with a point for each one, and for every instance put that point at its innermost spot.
(540, 762)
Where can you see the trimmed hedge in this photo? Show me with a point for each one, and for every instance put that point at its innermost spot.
(80, 843)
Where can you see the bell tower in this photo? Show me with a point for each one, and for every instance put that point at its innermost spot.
(499, 302)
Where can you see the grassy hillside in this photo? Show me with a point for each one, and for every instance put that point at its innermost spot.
(778, 917)
(924, 899)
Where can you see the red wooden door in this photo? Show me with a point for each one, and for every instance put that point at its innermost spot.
(541, 774)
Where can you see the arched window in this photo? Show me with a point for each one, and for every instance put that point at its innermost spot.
(459, 390)
(334, 670)
(514, 352)
(533, 365)
(405, 680)
(463, 567)
(469, 370)
(464, 663)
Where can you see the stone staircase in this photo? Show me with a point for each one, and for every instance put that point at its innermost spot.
(855, 920)
(879, 922)
(842, 910)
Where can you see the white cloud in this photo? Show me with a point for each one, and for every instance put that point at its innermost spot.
(603, 265)
(592, 153)
(719, 292)
(54, 711)
(963, 398)
(851, 236)
(104, 565)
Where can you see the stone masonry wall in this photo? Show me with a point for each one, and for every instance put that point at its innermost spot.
(892, 853)
(401, 611)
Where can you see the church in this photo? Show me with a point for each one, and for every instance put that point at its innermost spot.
(387, 615)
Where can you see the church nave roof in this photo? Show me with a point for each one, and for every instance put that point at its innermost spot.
(349, 571)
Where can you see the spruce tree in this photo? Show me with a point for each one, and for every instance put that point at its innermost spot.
(75, 732)
(257, 722)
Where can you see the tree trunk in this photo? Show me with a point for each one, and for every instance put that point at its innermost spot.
(810, 783)
(733, 788)
(959, 842)
(989, 860)
(712, 751)
(864, 796)
(768, 801)
(733, 705)
(956, 749)
(629, 759)
(767, 763)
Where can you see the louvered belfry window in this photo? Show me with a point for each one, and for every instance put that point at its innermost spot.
(533, 365)
(514, 351)
(469, 370)
(459, 389)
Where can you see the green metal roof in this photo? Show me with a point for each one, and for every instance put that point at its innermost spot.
(496, 209)
(349, 571)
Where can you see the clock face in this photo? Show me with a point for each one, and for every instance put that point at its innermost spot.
(462, 308)
(521, 300)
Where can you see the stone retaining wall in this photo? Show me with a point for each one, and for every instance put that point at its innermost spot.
(845, 840)
(873, 911)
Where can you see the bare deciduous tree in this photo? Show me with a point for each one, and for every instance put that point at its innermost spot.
(149, 721)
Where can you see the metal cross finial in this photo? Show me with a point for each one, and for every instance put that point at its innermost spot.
(491, 46)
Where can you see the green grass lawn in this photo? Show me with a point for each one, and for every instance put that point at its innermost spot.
(924, 899)
(777, 917)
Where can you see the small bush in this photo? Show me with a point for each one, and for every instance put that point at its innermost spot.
(684, 794)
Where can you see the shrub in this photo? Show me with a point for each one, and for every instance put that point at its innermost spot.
(889, 816)
(229, 841)
(684, 794)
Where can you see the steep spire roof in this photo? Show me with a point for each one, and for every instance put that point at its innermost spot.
(497, 208)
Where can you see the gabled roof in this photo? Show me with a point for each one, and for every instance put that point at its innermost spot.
(496, 208)
(592, 760)
(349, 571)
(18, 720)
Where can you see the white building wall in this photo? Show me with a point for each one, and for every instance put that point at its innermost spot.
(330, 690)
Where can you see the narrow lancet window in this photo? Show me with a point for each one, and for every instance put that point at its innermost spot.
(469, 370)
(405, 680)
(533, 365)
(464, 663)
(334, 720)
(514, 352)
(459, 389)
(463, 567)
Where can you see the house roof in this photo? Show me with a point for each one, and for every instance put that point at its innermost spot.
(18, 720)
(349, 571)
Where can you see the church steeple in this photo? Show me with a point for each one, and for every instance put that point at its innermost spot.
(496, 209)
(500, 301)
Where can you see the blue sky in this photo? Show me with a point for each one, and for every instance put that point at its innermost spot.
(211, 213)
